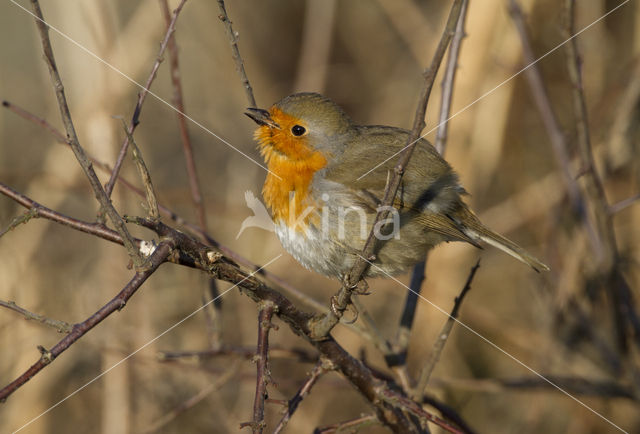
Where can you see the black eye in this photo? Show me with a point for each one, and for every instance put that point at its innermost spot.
(298, 130)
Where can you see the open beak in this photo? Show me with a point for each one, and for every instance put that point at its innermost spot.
(261, 117)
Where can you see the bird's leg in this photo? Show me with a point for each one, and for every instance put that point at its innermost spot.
(353, 308)
(362, 288)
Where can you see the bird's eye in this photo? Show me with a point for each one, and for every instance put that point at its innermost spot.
(298, 130)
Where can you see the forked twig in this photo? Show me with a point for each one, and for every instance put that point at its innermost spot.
(72, 138)
(159, 255)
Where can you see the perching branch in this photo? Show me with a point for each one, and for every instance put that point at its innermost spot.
(322, 326)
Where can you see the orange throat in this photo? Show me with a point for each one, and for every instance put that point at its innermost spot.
(292, 164)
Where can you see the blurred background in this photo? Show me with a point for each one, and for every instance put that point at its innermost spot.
(368, 56)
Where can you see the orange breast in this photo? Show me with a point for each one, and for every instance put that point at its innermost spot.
(292, 162)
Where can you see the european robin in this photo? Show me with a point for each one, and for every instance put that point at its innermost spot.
(323, 208)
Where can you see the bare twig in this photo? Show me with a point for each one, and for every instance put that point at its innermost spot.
(322, 326)
(193, 401)
(178, 101)
(438, 346)
(235, 53)
(72, 137)
(352, 425)
(573, 385)
(80, 329)
(318, 370)
(411, 407)
(135, 119)
(152, 202)
(263, 376)
(623, 204)
(39, 210)
(36, 120)
(559, 143)
(448, 80)
(297, 354)
(60, 326)
(626, 318)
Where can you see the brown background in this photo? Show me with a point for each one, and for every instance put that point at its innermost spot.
(375, 53)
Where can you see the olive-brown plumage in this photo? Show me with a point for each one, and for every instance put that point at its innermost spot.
(323, 207)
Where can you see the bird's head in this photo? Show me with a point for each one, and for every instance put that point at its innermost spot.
(300, 125)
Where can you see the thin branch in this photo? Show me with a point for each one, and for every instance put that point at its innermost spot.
(36, 120)
(559, 143)
(80, 329)
(572, 385)
(263, 376)
(60, 326)
(443, 336)
(319, 369)
(192, 402)
(235, 53)
(152, 202)
(135, 119)
(448, 80)
(352, 425)
(72, 137)
(178, 101)
(296, 354)
(322, 326)
(42, 211)
(411, 407)
(627, 321)
(623, 204)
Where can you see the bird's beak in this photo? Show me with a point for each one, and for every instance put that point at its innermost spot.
(261, 117)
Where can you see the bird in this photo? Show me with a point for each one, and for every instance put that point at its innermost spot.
(260, 217)
(326, 180)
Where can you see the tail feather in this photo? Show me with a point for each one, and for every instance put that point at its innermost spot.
(474, 229)
(511, 248)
